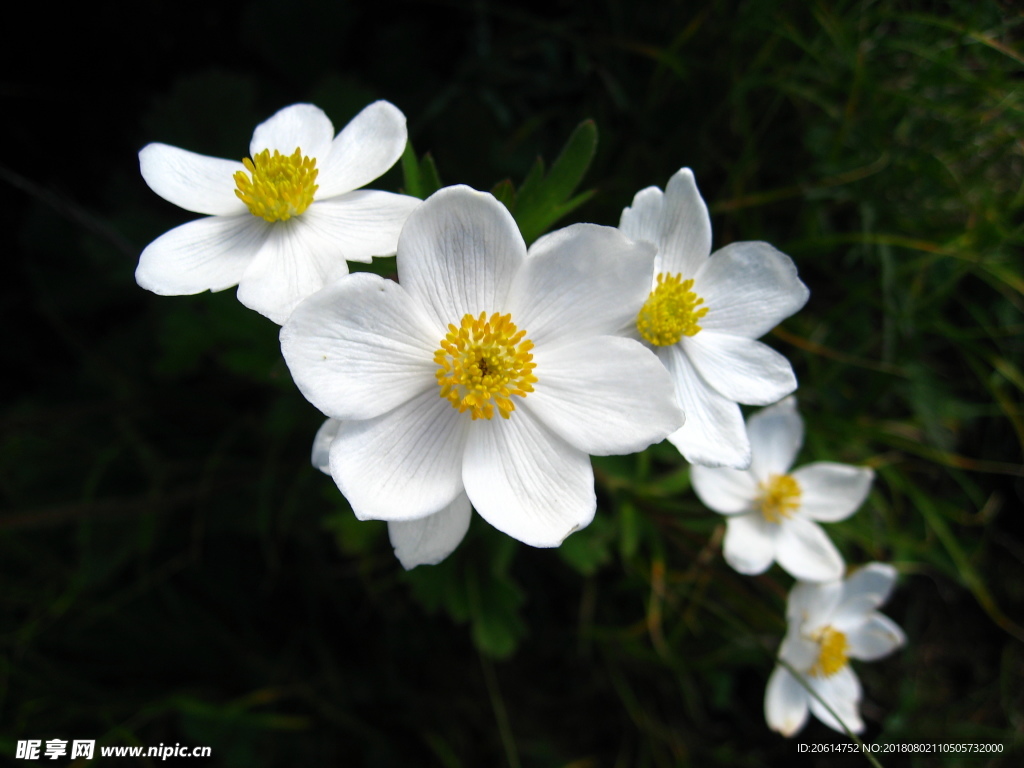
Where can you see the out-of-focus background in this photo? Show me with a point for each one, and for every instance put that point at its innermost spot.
(172, 570)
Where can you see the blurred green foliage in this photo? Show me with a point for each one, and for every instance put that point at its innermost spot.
(173, 570)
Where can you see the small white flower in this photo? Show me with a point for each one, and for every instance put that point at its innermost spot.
(772, 514)
(704, 314)
(486, 377)
(281, 224)
(829, 624)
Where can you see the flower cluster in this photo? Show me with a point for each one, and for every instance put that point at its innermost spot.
(486, 376)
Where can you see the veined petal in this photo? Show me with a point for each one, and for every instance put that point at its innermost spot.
(805, 551)
(776, 434)
(290, 266)
(429, 540)
(360, 347)
(874, 581)
(714, 434)
(749, 288)
(799, 650)
(364, 150)
(642, 221)
(604, 395)
(580, 281)
(320, 456)
(526, 481)
(208, 254)
(404, 464)
(357, 225)
(785, 702)
(678, 219)
(749, 545)
(458, 254)
(300, 126)
(197, 183)
(842, 693)
(877, 637)
(743, 370)
(830, 492)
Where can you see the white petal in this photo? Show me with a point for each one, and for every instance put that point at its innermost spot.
(320, 456)
(749, 288)
(642, 219)
(364, 150)
(776, 434)
(300, 126)
(811, 605)
(726, 491)
(360, 347)
(874, 580)
(842, 693)
(806, 552)
(785, 702)
(197, 183)
(581, 280)
(458, 254)
(830, 492)
(402, 465)
(877, 637)
(359, 225)
(714, 433)
(743, 370)
(430, 539)
(208, 254)
(604, 395)
(292, 264)
(679, 220)
(798, 649)
(749, 545)
(528, 482)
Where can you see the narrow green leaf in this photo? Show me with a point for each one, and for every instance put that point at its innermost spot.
(430, 178)
(411, 173)
(505, 193)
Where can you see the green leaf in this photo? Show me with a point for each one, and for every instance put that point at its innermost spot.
(421, 177)
(544, 199)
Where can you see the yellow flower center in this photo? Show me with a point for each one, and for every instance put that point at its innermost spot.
(832, 652)
(671, 311)
(779, 497)
(277, 186)
(483, 363)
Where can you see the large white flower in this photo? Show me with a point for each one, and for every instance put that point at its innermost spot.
(703, 315)
(282, 223)
(772, 514)
(488, 374)
(829, 624)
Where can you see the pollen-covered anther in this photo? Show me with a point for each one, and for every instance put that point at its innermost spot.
(485, 361)
(277, 186)
(833, 651)
(671, 311)
(778, 497)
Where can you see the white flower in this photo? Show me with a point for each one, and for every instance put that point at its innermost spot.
(489, 374)
(829, 624)
(704, 314)
(281, 225)
(772, 514)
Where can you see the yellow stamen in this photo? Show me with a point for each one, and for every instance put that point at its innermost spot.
(832, 652)
(281, 186)
(483, 363)
(779, 497)
(671, 311)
